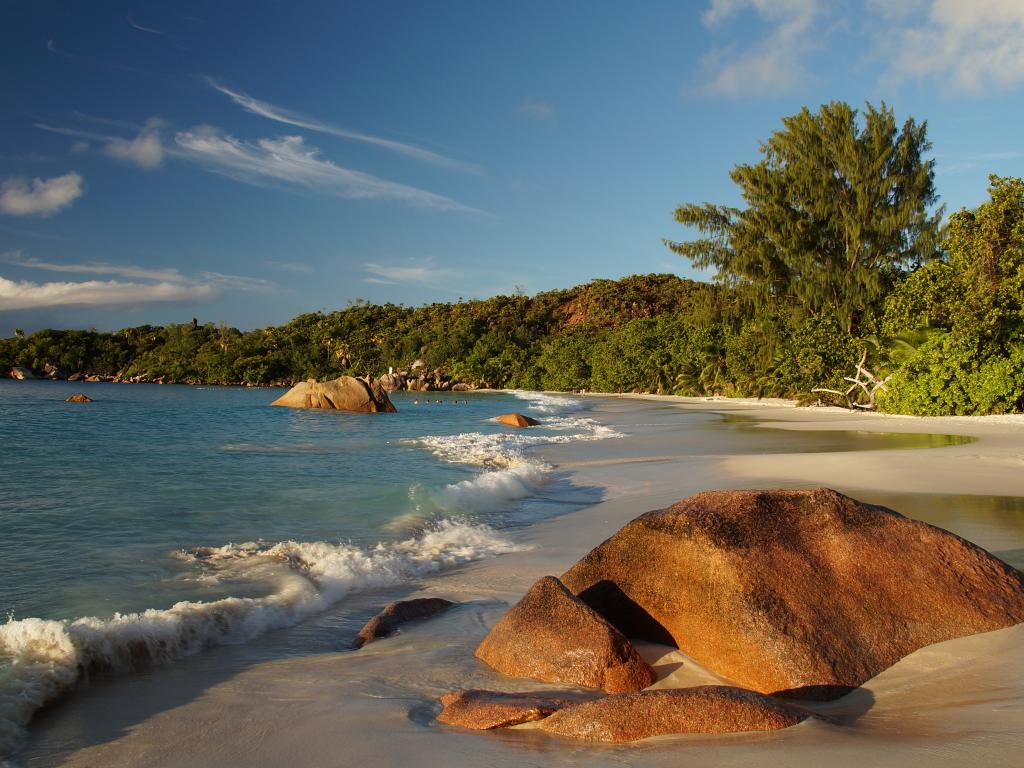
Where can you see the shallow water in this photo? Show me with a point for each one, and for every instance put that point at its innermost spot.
(158, 521)
(440, 488)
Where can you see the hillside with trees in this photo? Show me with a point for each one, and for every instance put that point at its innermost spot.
(837, 257)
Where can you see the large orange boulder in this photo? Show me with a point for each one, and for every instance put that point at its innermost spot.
(483, 710)
(345, 393)
(516, 420)
(79, 398)
(804, 593)
(705, 709)
(552, 636)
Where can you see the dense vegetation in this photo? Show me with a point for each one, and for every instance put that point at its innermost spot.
(837, 252)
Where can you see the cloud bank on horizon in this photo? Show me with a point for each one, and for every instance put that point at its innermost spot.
(144, 285)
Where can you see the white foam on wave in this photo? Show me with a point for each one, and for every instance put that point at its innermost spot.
(544, 403)
(39, 659)
(510, 473)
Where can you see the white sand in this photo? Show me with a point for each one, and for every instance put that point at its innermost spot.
(959, 703)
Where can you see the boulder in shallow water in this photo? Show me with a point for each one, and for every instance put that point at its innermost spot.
(552, 636)
(79, 398)
(704, 709)
(483, 710)
(345, 393)
(21, 373)
(395, 614)
(804, 593)
(516, 420)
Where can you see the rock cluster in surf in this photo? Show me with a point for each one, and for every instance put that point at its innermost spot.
(801, 594)
(346, 393)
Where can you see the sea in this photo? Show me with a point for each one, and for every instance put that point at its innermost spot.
(175, 558)
(159, 521)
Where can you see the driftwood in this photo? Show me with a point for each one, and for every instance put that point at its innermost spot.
(867, 382)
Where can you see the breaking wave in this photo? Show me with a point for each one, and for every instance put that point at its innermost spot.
(40, 659)
(510, 474)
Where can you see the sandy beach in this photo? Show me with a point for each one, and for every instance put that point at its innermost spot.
(956, 703)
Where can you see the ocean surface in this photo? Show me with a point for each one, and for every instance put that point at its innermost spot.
(158, 521)
(153, 541)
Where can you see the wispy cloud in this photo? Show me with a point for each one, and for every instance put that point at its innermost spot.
(971, 47)
(423, 272)
(981, 162)
(285, 159)
(143, 285)
(289, 266)
(772, 65)
(29, 295)
(288, 159)
(16, 258)
(282, 115)
(74, 133)
(132, 23)
(145, 150)
(32, 233)
(28, 157)
(537, 110)
(52, 47)
(39, 197)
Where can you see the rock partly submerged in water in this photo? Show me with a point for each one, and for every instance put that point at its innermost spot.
(552, 636)
(804, 593)
(516, 420)
(21, 373)
(704, 709)
(79, 398)
(346, 393)
(400, 612)
(484, 710)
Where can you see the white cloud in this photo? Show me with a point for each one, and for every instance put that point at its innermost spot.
(281, 115)
(16, 258)
(285, 159)
(161, 285)
(41, 197)
(145, 150)
(536, 110)
(150, 30)
(29, 295)
(238, 282)
(288, 159)
(423, 272)
(772, 65)
(971, 46)
(78, 147)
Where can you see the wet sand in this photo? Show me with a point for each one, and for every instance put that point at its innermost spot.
(956, 703)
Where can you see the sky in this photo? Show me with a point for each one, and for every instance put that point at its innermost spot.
(246, 162)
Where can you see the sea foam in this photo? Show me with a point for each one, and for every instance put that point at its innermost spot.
(509, 473)
(40, 659)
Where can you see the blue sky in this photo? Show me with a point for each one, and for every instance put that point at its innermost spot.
(244, 162)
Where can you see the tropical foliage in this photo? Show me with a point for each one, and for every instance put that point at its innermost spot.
(836, 257)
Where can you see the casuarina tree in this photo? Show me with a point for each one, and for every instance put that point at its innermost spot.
(838, 207)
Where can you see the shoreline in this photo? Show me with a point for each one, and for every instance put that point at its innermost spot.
(379, 701)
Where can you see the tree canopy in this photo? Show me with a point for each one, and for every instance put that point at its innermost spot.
(836, 210)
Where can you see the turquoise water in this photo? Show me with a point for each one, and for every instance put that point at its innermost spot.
(157, 521)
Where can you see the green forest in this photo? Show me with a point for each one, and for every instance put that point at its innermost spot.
(839, 256)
